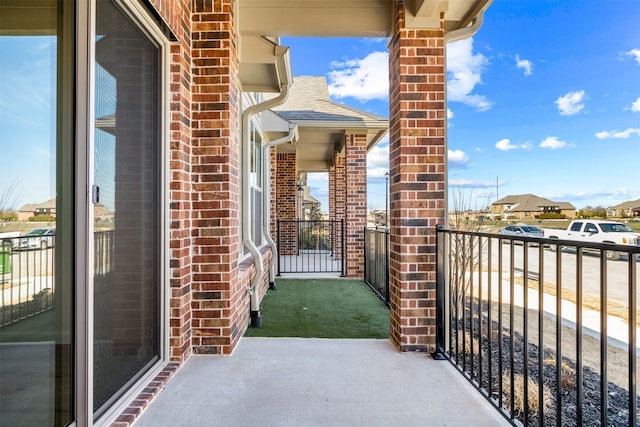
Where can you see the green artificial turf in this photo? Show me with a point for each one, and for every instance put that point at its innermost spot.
(322, 308)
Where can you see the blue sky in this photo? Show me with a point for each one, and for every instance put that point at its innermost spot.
(544, 99)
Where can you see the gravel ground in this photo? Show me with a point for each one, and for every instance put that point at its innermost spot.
(617, 370)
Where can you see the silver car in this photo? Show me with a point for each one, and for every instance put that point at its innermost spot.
(38, 238)
(521, 230)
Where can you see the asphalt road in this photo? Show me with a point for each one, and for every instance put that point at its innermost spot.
(616, 272)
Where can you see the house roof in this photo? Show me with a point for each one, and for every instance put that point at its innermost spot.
(630, 204)
(322, 123)
(530, 203)
(49, 204)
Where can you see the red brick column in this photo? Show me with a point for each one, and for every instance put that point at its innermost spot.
(355, 203)
(180, 187)
(332, 190)
(219, 304)
(340, 202)
(417, 86)
(286, 194)
(273, 195)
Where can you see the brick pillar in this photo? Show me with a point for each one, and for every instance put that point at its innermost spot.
(273, 195)
(417, 86)
(286, 194)
(355, 203)
(180, 192)
(332, 190)
(219, 305)
(332, 202)
(340, 206)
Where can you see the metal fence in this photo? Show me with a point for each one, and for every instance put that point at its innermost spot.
(376, 261)
(315, 246)
(27, 275)
(26, 279)
(545, 329)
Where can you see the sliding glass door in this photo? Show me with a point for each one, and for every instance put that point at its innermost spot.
(36, 213)
(127, 203)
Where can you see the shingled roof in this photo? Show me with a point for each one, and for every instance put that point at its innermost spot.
(309, 100)
(627, 205)
(531, 203)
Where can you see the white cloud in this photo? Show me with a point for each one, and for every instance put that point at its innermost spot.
(553, 143)
(457, 159)
(618, 134)
(571, 103)
(363, 79)
(635, 106)
(450, 114)
(466, 183)
(634, 53)
(376, 172)
(506, 145)
(525, 64)
(378, 156)
(464, 72)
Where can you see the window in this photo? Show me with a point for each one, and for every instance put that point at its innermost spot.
(576, 226)
(255, 144)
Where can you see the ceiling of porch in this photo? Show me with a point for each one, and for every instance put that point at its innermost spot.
(350, 18)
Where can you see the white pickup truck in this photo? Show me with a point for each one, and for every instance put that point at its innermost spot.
(599, 231)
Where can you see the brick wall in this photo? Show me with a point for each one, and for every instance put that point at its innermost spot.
(218, 296)
(286, 201)
(177, 14)
(417, 180)
(340, 194)
(355, 202)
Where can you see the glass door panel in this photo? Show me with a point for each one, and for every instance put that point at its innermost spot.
(127, 204)
(36, 213)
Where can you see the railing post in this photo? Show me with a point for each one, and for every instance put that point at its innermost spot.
(279, 251)
(387, 263)
(440, 354)
(343, 244)
(365, 257)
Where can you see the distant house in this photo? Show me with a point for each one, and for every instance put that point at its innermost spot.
(44, 208)
(529, 206)
(629, 209)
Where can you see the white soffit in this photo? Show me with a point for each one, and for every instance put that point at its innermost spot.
(330, 18)
(351, 18)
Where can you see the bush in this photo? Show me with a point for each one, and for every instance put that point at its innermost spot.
(551, 216)
(8, 216)
(42, 218)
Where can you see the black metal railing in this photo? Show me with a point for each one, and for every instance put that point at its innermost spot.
(314, 246)
(544, 329)
(376, 261)
(27, 274)
(26, 278)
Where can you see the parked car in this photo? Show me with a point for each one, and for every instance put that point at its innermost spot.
(521, 230)
(599, 231)
(38, 238)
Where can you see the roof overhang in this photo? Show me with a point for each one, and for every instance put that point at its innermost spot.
(264, 65)
(318, 143)
(351, 18)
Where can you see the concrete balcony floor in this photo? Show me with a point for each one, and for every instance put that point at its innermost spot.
(318, 382)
